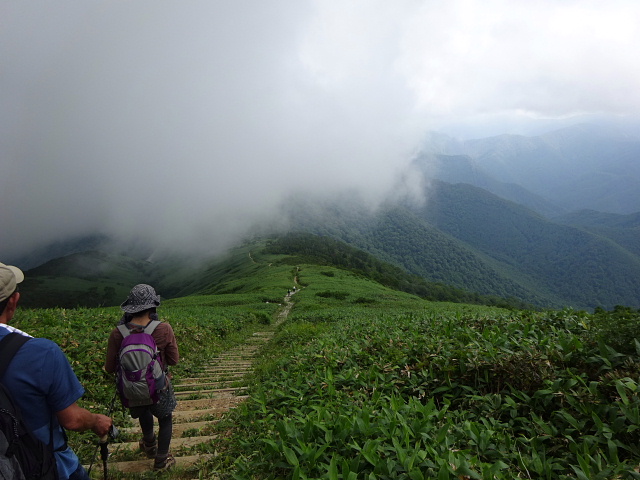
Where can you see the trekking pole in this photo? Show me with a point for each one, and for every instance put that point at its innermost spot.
(104, 448)
(103, 443)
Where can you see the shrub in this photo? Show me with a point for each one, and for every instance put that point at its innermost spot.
(333, 294)
(619, 328)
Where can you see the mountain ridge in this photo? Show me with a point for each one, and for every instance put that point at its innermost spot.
(462, 236)
(499, 219)
(470, 238)
(577, 167)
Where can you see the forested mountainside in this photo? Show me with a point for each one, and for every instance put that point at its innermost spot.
(507, 216)
(577, 265)
(464, 169)
(622, 229)
(467, 237)
(462, 237)
(96, 278)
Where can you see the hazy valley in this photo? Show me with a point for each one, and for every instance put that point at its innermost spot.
(502, 216)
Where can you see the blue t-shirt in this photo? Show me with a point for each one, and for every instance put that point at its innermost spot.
(42, 383)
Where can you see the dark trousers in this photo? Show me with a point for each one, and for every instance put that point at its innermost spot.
(164, 434)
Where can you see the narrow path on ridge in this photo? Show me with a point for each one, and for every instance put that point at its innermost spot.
(202, 400)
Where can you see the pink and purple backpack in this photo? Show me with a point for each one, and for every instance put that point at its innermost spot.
(140, 376)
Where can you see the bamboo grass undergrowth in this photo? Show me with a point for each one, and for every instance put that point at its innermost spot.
(353, 390)
(365, 382)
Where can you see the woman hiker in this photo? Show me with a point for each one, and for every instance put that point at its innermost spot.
(139, 311)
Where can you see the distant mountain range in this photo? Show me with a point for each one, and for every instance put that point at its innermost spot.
(470, 238)
(551, 220)
(575, 168)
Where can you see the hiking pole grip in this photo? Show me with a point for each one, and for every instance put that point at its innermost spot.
(104, 444)
(111, 434)
(103, 440)
(104, 447)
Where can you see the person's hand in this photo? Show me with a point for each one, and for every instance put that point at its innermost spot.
(80, 419)
(102, 425)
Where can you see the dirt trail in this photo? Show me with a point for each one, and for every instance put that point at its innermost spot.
(202, 400)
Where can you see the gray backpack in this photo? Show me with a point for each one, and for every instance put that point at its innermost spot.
(140, 376)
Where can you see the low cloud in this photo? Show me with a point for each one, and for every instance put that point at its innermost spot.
(189, 122)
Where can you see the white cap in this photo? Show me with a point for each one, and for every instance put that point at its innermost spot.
(10, 277)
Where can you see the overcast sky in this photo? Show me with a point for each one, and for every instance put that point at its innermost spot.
(190, 120)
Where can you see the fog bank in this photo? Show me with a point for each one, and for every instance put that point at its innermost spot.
(188, 122)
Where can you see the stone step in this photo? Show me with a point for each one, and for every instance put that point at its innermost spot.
(216, 391)
(221, 383)
(188, 415)
(176, 443)
(139, 466)
(237, 359)
(219, 402)
(235, 364)
(235, 370)
(178, 428)
(208, 378)
(245, 348)
(240, 370)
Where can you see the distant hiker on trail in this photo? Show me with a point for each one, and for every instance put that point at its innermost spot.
(139, 351)
(44, 386)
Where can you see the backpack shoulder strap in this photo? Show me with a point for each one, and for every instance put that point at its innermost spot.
(9, 346)
(124, 330)
(152, 326)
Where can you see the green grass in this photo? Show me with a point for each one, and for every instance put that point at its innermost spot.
(204, 326)
(366, 382)
(438, 394)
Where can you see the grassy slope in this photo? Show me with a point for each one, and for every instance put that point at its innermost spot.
(90, 278)
(466, 237)
(204, 325)
(366, 380)
(363, 382)
(94, 278)
(238, 295)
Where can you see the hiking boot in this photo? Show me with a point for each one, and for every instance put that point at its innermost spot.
(149, 450)
(164, 463)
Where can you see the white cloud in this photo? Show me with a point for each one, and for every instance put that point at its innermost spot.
(549, 58)
(190, 120)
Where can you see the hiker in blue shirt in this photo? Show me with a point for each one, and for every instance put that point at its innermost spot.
(45, 387)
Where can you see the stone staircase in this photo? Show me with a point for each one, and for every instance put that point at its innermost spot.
(202, 400)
